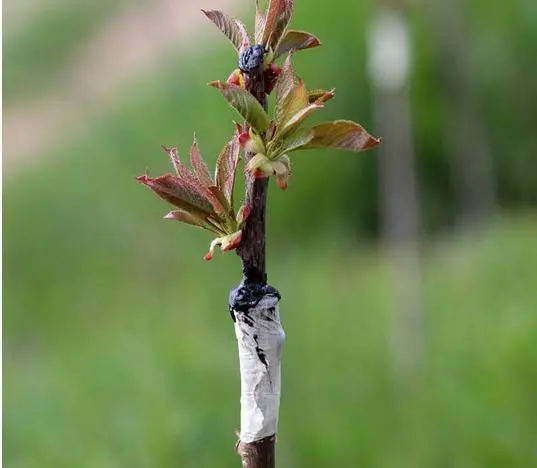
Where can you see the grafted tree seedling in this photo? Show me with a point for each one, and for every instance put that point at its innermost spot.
(266, 143)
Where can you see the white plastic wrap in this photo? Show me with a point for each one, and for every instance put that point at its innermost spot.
(260, 337)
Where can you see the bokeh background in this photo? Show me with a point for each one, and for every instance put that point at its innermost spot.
(408, 273)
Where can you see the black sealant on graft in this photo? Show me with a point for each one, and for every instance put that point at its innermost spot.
(251, 59)
(247, 295)
(242, 303)
(260, 353)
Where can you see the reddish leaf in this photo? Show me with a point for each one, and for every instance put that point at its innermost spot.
(233, 29)
(243, 214)
(243, 138)
(221, 199)
(192, 182)
(209, 256)
(245, 104)
(296, 40)
(226, 168)
(259, 23)
(278, 17)
(200, 168)
(177, 192)
(287, 97)
(174, 157)
(271, 75)
(341, 134)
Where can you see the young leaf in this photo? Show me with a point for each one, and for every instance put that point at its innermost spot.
(259, 163)
(282, 172)
(185, 217)
(221, 199)
(254, 143)
(296, 40)
(228, 242)
(245, 104)
(278, 17)
(231, 241)
(226, 168)
(174, 157)
(200, 168)
(341, 134)
(234, 30)
(175, 191)
(296, 140)
(298, 117)
(287, 96)
(320, 95)
(259, 23)
(190, 181)
(298, 99)
(243, 214)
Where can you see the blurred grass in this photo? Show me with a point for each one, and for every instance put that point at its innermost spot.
(34, 58)
(118, 346)
(137, 368)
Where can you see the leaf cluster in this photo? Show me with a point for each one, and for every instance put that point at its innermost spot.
(199, 199)
(207, 203)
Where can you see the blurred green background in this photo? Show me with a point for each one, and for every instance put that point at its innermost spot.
(118, 347)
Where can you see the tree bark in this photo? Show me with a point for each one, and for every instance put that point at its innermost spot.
(390, 67)
(466, 139)
(252, 248)
(254, 309)
(260, 453)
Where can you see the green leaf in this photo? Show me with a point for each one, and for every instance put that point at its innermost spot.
(298, 99)
(233, 29)
(297, 140)
(292, 142)
(278, 17)
(188, 218)
(296, 40)
(298, 117)
(200, 168)
(226, 168)
(245, 104)
(341, 134)
(320, 95)
(259, 162)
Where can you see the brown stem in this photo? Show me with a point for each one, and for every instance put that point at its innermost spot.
(260, 453)
(252, 248)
